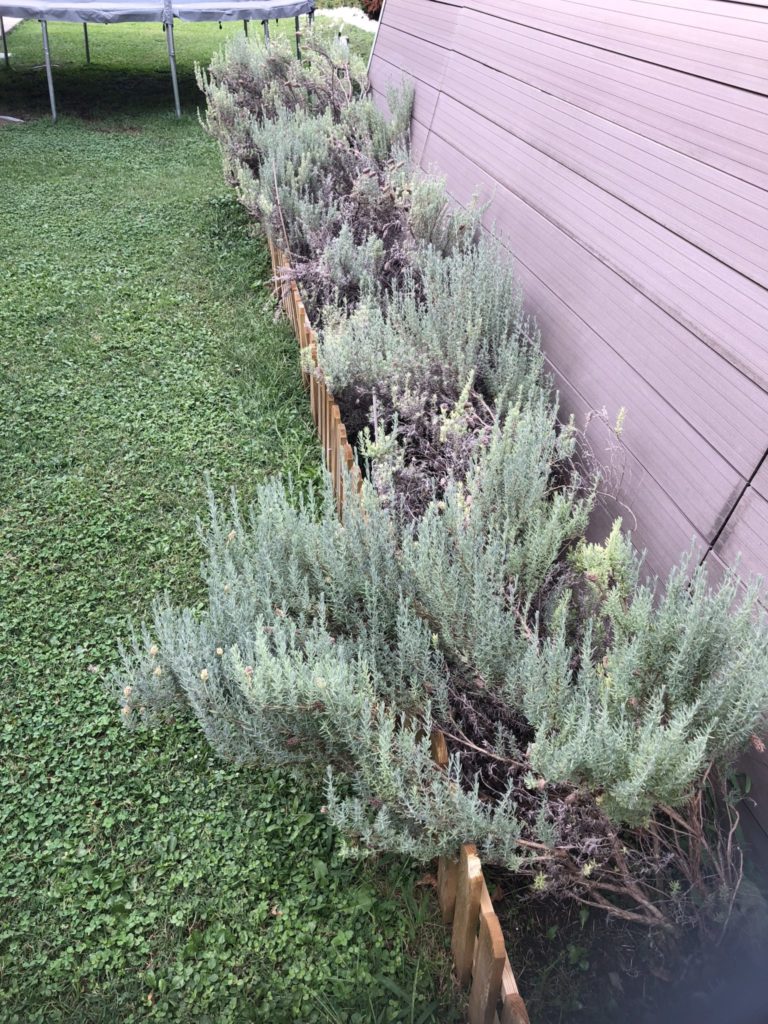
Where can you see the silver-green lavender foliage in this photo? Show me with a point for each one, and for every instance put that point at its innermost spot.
(330, 645)
(434, 219)
(310, 156)
(311, 654)
(326, 174)
(663, 685)
(483, 553)
(301, 165)
(463, 311)
(248, 83)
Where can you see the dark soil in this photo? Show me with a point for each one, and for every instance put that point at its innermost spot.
(578, 966)
(431, 458)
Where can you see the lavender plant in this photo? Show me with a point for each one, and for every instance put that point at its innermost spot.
(462, 311)
(339, 646)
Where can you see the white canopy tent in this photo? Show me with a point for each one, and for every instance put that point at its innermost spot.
(109, 12)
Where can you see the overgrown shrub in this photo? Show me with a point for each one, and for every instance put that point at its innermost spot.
(324, 171)
(665, 684)
(462, 310)
(590, 716)
(247, 85)
(340, 646)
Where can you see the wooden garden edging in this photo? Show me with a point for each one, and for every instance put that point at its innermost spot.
(479, 954)
(338, 456)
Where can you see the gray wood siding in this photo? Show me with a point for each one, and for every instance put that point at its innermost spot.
(623, 145)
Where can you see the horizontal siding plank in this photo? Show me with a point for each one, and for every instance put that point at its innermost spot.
(420, 58)
(719, 403)
(696, 43)
(425, 19)
(720, 214)
(656, 102)
(723, 308)
(734, 20)
(673, 453)
(710, 16)
(760, 482)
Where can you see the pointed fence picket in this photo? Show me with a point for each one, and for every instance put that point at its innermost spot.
(477, 942)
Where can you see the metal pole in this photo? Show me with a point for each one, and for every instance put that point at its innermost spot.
(48, 71)
(298, 34)
(265, 23)
(172, 61)
(311, 18)
(245, 27)
(5, 43)
(87, 47)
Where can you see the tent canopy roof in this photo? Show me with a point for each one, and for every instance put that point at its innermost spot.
(106, 12)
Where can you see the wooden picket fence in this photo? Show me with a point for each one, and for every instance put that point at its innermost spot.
(338, 456)
(477, 943)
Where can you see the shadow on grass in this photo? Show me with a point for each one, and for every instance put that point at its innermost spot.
(129, 75)
(94, 93)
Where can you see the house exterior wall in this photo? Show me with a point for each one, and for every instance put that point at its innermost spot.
(623, 146)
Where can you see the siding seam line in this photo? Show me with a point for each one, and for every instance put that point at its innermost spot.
(734, 508)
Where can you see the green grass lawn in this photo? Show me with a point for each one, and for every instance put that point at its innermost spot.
(139, 877)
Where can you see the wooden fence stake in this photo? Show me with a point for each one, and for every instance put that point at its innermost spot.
(468, 891)
(327, 430)
(439, 748)
(486, 975)
(514, 1011)
(335, 435)
(326, 425)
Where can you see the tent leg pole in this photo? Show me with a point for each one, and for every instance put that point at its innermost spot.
(49, 70)
(5, 43)
(172, 62)
(87, 46)
(245, 27)
(266, 32)
(298, 34)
